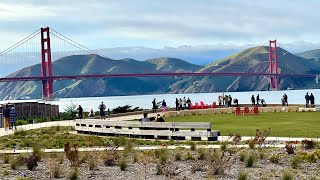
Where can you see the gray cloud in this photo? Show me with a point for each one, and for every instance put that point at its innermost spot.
(99, 24)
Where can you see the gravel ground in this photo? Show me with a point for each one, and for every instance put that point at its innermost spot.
(179, 170)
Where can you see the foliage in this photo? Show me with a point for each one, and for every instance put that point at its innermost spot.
(308, 144)
(70, 110)
(21, 122)
(177, 156)
(287, 176)
(251, 144)
(15, 162)
(261, 155)
(56, 171)
(295, 162)
(92, 164)
(275, 158)
(250, 160)
(289, 148)
(202, 154)
(73, 175)
(242, 156)
(123, 165)
(223, 145)
(31, 161)
(243, 175)
(6, 158)
(124, 109)
(72, 155)
(110, 157)
(188, 156)
(192, 146)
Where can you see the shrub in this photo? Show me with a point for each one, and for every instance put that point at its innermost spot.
(110, 158)
(243, 175)
(202, 154)
(311, 158)
(56, 171)
(251, 144)
(223, 145)
(188, 156)
(261, 155)
(73, 175)
(242, 156)
(192, 146)
(289, 148)
(250, 160)
(72, 155)
(14, 163)
(92, 164)
(31, 161)
(295, 162)
(21, 122)
(287, 176)
(128, 147)
(178, 156)
(6, 172)
(6, 158)
(274, 158)
(135, 157)
(36, 150)
(123, 165)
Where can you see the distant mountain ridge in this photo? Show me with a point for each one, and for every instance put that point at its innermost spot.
(251, 60)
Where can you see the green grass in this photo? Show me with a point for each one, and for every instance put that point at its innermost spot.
(293, 124)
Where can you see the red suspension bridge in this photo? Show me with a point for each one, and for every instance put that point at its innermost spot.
(38, 46)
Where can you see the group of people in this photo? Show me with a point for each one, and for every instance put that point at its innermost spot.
(151, 119)
(257, 101)
(309, 99)
(182, 104)
(227, 101)
(10, 117)
(102, 112)
(284, 100)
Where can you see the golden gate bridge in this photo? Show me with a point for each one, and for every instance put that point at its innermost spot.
(41, 41)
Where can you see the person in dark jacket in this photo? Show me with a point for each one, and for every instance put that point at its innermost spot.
(177, 104)
(80, 112)
(13, 117)
(258, 100)
(311, 100)
(253, 101)
(6, 115)
(154, 106)
(307, 98)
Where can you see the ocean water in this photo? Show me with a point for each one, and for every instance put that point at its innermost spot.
(145, 101)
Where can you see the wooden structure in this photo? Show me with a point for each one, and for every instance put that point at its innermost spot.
(194, 131)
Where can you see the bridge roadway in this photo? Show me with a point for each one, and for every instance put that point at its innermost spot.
(90, 76)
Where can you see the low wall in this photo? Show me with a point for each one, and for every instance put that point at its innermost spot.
(227, 111)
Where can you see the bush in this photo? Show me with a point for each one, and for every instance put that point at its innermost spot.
(251, 144)
(224, 145)
(295, 162)
(36, 150)
(242, 156)
(243, 175)
(31, 161)
(14, 163)
(311, 158)
(261, 155)
(192, 146)
(110, 158)
(6, 158)
(177, 156)
(56, 171)
(287, 176)
(72, 155)
(274, 158)
(123, 165)
(188, 156)
(73, 175)
(250, 160)
(21, 122)
(92, 164)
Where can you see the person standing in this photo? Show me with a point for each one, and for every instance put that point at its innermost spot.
(229, 101)
(285, 99)
(307, 98)
(189, 102)
(258, 100)
(109, 113)
(253, 101)
(154, 106)
(180, 104)
(6, 114)
(164, 106)
(184, 101)
(80, 112)
(13, 117)
(177, 104)
(311, 100)
(220, 100)
(102, 109)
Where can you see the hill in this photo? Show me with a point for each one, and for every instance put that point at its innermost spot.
(251, 60)
(93, 64)
(312, 54)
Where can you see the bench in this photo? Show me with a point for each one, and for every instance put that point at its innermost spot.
(149, 130)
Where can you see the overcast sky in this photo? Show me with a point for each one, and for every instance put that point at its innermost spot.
(162, 23)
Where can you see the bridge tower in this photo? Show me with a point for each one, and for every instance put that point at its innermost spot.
(273, 59)
(46, 64)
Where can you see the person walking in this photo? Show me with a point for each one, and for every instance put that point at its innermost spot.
(80, 112)
(253, 101)
(6, 115)
(154, 106)
(109, 113)
(188, 102)
(258, 100)
(311, 100)
(13, 117)
(102, 108)
(184, 101)
(307, 98)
